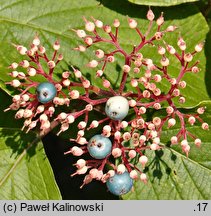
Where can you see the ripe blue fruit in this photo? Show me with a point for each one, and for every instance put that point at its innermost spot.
(46, 92)
(117, 107)
(99, 146)
(120, 184)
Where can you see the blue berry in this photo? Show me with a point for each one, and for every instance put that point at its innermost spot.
(117, 107)
(120, 184)
(46, 92)
(99, 146)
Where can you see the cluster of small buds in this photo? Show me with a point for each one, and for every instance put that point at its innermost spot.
(117, 135)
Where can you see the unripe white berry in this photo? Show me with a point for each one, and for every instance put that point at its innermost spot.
(171, 122)
(77, 73)
(22, 50)
(14, 74)
(51, 64)
(66, 82)
(25, 97)
(99, 73)
(80, 163)
(201, 110)
(110, 58)
(146, 94)
(171, 49)
(27, 113)
(142, 139)
(93, 172)
(86, 83)
(176, 92)
(106, 83)
(74, 94)
(181, 43)
(195, 69)
(14, 65)
(94, 124)
(156, 121)
(174, 140)
(126, 68)
(116, 152)
(92, 64)
(156, 140)
(121, 168)
(124, 124)
(24, 64)
(81, 171)
(160, 20)
(205, 126)
(132, 23)
(157, 78)
(184, 143)
(76, 151)
(19, 114)
(199, 47)
(15, 83)
(88, 41)
(45, 125)
(142, 110)
(182, 84)
(116, 23)
(98, 23)
(164, 61)
(82, 141)
(171, 28)
(150, 15)
(43, 117)
(81, 125)
(134, 83)
(169, 110)
(154, 147)
(191, 120)
(117, 135)
(81, 33)
(51, 110)
(107, 128)
(16, 98)
(188, 57)
(132, 154)
(197, 142)
(33, 124)
(62, 116)
(143, 160)
(89, 26)
(134, 174)
(99, 53)
(181, 100)
(161, 50)
(107, 28)
(132, 103)
(143, 177)
(156, 106)
(126, 136)
(65, 74)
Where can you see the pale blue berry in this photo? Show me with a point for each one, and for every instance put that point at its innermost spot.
(120, 184)
(46, 92)
(99, 146)
(117, 107)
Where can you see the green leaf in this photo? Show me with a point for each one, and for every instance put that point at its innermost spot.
(172, 175)
(19, 23)
(25, 172)
(161, 2)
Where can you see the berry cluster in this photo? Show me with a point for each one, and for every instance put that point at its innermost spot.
(125, 133)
